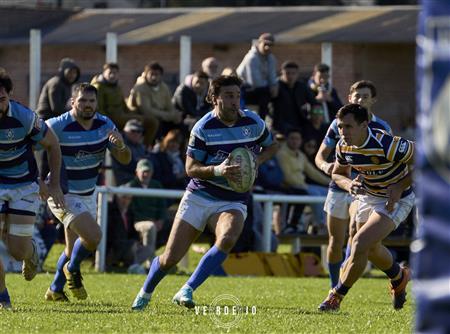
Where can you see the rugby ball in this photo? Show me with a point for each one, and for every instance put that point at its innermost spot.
(247, 161)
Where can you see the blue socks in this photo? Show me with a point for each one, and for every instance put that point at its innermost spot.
(4, 296)
(155, 275)
(342, 289)
(333, 269)
(208, 264)
(79, 253)
(60, 279)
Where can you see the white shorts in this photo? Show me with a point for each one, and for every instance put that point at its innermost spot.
(20, 201)
(74, 206)
(368, 203)
(337, 204)
(196, 210)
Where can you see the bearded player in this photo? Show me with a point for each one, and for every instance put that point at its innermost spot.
(208, 198)
(84, 135)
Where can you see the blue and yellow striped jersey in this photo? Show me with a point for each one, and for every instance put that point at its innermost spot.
(381, 160)
(211, 142)
(82, 150)
(20, 129)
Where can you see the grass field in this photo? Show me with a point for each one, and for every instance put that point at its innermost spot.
(281, 304)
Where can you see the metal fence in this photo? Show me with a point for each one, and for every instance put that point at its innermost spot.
(267, 199)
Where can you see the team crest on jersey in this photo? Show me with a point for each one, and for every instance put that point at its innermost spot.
(246, 131)
(220, 156)
(10, 134)
(349, 159)
(375, 160)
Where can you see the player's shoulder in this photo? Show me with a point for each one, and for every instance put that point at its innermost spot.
(205, 122)
(60, 121)
(379, 123)
(19, 111)
(251, 115)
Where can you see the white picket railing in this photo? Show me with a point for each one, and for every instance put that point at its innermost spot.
(267, 199)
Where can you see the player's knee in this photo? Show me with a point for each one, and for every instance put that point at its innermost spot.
(227, 241)
(93, 239)
(335, 243)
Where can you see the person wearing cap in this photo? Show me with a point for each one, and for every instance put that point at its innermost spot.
(148, 213)
(133, 134)
(291, 105)
(258, 69)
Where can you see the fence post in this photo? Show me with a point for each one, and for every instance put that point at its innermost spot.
(102, 219)
(267, 227)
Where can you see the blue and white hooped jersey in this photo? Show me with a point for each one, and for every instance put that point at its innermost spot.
(210, 143)
(20, 129)
(83, 151)
(332, 137)
(381, 160)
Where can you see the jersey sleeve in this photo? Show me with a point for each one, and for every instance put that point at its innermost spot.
(399, 149)
(332, 133)
(339, 156)
(197, 146)
(38, 128)
(265, 139)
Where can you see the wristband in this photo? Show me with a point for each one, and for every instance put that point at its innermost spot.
(217, 170)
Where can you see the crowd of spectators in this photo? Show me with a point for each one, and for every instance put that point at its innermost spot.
(156, 122)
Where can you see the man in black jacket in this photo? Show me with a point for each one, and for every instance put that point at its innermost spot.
(290, 106)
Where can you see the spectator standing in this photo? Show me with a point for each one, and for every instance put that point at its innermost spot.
(211, 66)
(314, 132)
(56, 92)
(111, 101)
(258, 69)
(290, 107)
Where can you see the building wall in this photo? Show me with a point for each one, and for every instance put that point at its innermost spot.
(390, 67)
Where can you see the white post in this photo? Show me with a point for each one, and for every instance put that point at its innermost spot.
(185, 57)
(267, 227)
(35, 68)
(111, 47)
(327, 57)
(102, 220)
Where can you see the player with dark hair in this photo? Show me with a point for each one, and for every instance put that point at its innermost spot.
(385, 198)
(208, 198)
(20, 129)
(84, 136)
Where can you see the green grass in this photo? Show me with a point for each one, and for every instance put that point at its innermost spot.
(282, 305)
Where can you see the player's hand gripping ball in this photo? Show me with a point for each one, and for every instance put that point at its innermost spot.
(247, 161)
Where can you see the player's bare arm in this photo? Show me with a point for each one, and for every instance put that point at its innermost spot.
(51, 145)
(267, 153)
(196, 169)
(321, 159)
(120, 151)
(341, 175)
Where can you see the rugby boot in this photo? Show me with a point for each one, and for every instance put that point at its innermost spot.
(332, 302)
(398, 293)
(74, 282)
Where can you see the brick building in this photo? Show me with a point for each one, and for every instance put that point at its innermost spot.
(374, 43)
